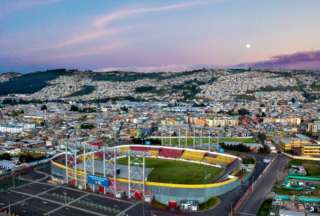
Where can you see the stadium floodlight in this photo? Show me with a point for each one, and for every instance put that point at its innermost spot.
(104, 166)
(85, 165)
(93, 169)
(209, 143)
(179, 137)
(186, 144)
(75, 165)
(136, 172)
(194, 138)
(66, 160)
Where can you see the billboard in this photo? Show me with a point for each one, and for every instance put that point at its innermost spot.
(98, 180)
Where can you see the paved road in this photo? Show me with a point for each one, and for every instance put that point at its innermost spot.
(264, 186)
(228, 200)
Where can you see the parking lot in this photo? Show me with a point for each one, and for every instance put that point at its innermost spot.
(38, 197)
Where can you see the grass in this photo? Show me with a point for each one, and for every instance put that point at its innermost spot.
(211, 203)
(179, 172)
(265, 207)
(205, 140)
(312, 167)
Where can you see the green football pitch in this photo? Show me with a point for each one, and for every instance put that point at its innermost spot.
(177, 172)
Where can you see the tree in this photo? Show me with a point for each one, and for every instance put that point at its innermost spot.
(262, 137)
(264, 150)
(243, 112)
(5, 156)
(74, 108)
(44, 107)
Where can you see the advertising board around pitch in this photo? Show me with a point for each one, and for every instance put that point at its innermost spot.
(98, 180)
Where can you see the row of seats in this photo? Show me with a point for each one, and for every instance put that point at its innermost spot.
(177, 153)
(194, 156)
(170, 153)
(218, 159)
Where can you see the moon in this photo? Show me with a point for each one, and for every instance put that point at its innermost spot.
(248, 46)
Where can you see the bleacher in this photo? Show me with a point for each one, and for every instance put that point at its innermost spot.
(124, 149)
(170, 153)
(153, 152)
(210, 158)
(139, 148)
(192, 155)
(98, 155)
(218, 159)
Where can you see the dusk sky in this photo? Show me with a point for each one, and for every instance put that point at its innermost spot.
(86, 34)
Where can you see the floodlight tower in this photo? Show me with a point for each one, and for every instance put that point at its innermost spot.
(75, 168)
(136, 172)
(93, 169)
(84, 165)
(110, 166)
(66, 161)
(186, 144)
(179, 137)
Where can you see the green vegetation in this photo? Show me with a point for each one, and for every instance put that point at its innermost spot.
(265, 207)
(238, 148)
(178, 172)
(203, 140)
(277, 88)
(87, 89)
(87, 126)
(245, 97)
(312, 167)
(145, 89)
(315, 86)
(31, 82)
(5, 156)
(125, 76)
(248, 160)
(27, 157)
(211, 203)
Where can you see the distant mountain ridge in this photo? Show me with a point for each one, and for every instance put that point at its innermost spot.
(164, 68)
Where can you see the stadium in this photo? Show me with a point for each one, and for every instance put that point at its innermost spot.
(162, 173)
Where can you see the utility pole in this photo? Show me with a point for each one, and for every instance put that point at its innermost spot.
(129, 174)
(66, 161)
(186, 137)
(115, 170)
(93, 170)
(104, 165)
(209, 143)
(179, 138)
(75, 165)
(85, 166)
(170, 137)
(194, 138)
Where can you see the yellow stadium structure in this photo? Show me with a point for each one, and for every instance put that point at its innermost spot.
(192, 155)
(153, 152)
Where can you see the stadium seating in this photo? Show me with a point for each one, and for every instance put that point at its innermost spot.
(124, 149)
(218, 159)
(98, 155)
(139, 148)
(192, 155)
(153, 152)
(170, 153)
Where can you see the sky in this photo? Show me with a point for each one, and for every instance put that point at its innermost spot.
(100, 34)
